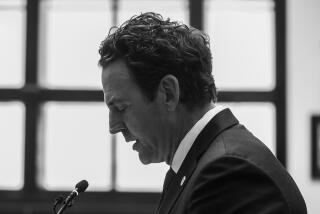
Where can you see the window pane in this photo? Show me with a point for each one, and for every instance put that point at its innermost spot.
(76, 146)
(132, 175)
(176, 10)
(11, 146)
(71, 32)
(258, 118)
(12, 42)
(242, 37)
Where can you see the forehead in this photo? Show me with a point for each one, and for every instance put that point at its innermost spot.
(117, 82)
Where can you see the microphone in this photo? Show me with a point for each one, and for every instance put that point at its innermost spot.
(79, 188)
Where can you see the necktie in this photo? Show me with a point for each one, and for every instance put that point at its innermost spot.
(167, 181)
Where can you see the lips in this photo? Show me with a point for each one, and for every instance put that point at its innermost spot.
(135, 146)
(129, 137)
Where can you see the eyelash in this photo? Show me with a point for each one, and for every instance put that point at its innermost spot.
(121, 109)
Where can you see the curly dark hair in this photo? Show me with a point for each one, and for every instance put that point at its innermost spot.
(153, 47)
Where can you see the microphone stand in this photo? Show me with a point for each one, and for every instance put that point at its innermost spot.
(64, 203)
(57, 202)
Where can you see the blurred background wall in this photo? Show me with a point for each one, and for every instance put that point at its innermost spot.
(303, 90)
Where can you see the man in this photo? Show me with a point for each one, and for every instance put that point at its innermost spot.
(159, 88)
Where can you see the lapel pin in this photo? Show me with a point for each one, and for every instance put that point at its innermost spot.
(182, 180)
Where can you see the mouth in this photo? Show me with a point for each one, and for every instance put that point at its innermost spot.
(136, 145)
(130, 138)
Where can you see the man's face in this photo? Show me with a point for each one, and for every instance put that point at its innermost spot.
(132, 113)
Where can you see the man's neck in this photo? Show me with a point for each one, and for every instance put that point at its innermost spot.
(185, 121)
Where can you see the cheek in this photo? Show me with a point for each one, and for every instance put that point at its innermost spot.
(138, 123)
(144, 124)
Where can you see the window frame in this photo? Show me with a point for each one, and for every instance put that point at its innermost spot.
(36, 200)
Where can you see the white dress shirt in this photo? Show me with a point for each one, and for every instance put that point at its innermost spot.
(191, 136)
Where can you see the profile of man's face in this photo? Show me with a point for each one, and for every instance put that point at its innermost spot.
(132, 114)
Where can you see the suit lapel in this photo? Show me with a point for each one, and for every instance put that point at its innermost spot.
(220, 122)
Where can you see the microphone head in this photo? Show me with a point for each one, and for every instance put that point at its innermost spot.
(82, 186)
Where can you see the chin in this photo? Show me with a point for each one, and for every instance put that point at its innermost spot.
(147, 160)
(147, 156)
(144, 161)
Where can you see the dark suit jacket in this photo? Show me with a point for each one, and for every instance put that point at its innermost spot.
(229, 171)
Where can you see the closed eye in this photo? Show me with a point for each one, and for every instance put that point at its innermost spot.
(121, 108)
(116, 109)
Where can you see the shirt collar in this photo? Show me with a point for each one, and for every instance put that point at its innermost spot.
(190, 137)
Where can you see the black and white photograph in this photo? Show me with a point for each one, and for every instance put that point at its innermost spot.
(159, 106)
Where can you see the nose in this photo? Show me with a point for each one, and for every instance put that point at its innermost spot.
(115, 123)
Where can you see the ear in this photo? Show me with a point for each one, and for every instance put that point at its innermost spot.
(169, 91)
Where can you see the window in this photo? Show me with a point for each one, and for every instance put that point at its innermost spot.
(173, 9)
(243, 43)
(12, 31)
(54, 123)
(77, 28)
(262, 124)
(76, 146)
(11, 147)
